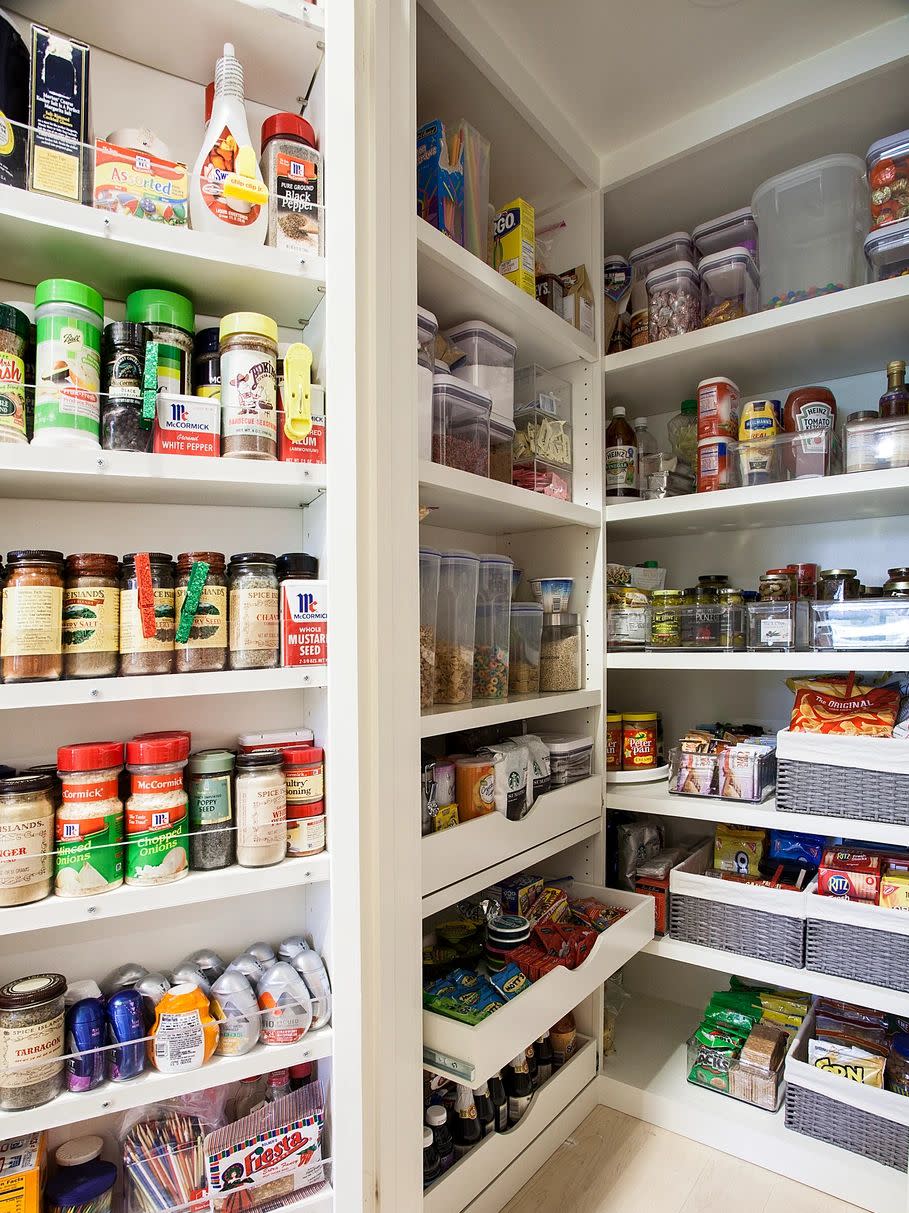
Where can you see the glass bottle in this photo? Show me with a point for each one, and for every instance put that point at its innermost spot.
(519, 1087)
(467, 1129)
(486, 1113)
(499, 1101)
(430, 1159)
(437, 1120)
(895, 401)
(621, 457)
(532, 1066)
(543, 1050)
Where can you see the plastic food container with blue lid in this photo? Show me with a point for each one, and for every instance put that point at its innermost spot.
(887, 251)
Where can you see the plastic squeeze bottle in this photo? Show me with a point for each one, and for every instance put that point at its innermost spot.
(226, 179)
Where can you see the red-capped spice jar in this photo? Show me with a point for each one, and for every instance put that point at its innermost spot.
(304, 773)
(805, 578)
(812, 411)
(89, 821)
(614, 741)
(157, 813)
(640, 740)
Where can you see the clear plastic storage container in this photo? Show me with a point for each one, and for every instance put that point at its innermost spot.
(777, 627)
(460, 425)
(644, 260)
(542, 440)
(427, 327)
(430, 563)
(785, 457)
(488, 362)
(875, 444)
(737, 229)
(501, 449)
(491, 641)
(861, 623)
(570, 757)
(456, 626)
(524, 648)
(887, 162)
(716, 627)
(812, 221)
(561, 653)
(887, 251)
(673, 300)
(730, 286)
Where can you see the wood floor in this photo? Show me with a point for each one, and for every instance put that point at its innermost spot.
(616, 1164)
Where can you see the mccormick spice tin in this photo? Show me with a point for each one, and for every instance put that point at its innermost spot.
(304, 622)
(713, 465)
(718, 408)
(187, 425)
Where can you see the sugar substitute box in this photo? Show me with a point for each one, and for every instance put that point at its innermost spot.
(304, 623)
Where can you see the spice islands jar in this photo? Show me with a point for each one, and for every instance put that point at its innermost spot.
(31, 644)
(206, 648)
(91, 616)
(26, 839)
(31, 1031)
(141, 654)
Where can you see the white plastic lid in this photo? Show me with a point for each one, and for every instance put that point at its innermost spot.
(427, 1138)
(427, 325)
(802, 172)
(615, 259)
(479, 328)
(430, 552)
(78, 1151)
(887, 238)
(732, 256)
(495, 558)
(891, 145)
(717, 379)
(712, 226)
(618, 410)
(657, 246)
(464, 392)
(640, 423)
(436, 1114)
(565, 743)
(675, 269)
(457, 555)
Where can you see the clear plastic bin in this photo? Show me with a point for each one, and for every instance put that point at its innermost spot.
(887, 251)
(783, 457)
(887, 162)
(644, 260)
(493, 627)
(734, 1078)
(673, 301)
(570, 757)
(861, 623)
(812, 221)
(742, 772)
(778, 627)
(628, 627)
(460, 425)
(873, 445)
(713, 627)
(456, 626)
(430, 563)
(524, 648)
(730, 286)
(561, 653)
(427, 327)
(501, 449)
(488, 362)
(543, 456)
(737, 229)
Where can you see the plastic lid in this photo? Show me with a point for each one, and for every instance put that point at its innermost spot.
(297, 755)
(248, 322)
(34, 556)
(562, 743)
(472, 762)
(655, 246)
(527, 608)
(640, 715)
(717, 379)
(211, 762)
(436, 1115)
(799, 174)
(672, 270)
(297, 564)
(427, 1138)
(70, 1189)
(890, 145)
(560, 619)
(65, 290)
(500, 424)
(463, 391)
(207, 341)
(427, 324)
(688, 406)
(154, 558)
(287, 124)
(12, 320)
(640, 423)
(152, 751)
(161, 307)
(14, 785)
(709, 226)
(260, 758)
(159, 733)
(888, 236)
(618, 410)
(430, 553)
(736, 254)
(79, 1150)
(495, 558)
(479, 328)
(32, 991)
(90, 756)
(616, 259)
(457, 554)
(611, 717)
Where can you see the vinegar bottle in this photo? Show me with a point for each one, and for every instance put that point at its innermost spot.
(621, 457)
(895, 401)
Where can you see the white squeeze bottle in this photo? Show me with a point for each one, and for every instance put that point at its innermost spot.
(225, 159)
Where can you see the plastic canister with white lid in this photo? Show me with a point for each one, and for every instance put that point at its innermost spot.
(427, 327)
(569, 755)
(887, 251)
(460, 425)
(488, 362)
(673, 300)
(644, 259)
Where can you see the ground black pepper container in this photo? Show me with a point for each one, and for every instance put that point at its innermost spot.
(122, 370)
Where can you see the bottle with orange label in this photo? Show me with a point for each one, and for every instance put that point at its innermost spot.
(759, 425)
(184, 1035)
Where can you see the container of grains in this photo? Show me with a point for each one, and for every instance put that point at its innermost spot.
(249, 381)
(493, 625)
(253, 615)
(207, 363)
(561, 653)
(157, 821)
(209, 778)
(91, 615)
(292, 171)
(460, 425)
(15, 334)
(430, 563)
(26, 839)
(89, 826)
(170, 319)
(122, 370)
(31, 640)
(69, 317)
(206, 647)
(304, 773)
(261, 809)
(456, 626)
(501, 449)
(141, 654)
(524, 648)
(31, 1041)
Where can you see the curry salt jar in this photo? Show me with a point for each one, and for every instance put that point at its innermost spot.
(31, 634)
(89, 821)
(139, 653)
(157, 816)
(15, 335)
(31, 1041)
(261, 808)
(249, 380)
(206, 646)
(253, 614)
(26, 839)
(91, 615)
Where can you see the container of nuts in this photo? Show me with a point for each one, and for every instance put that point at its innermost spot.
(674, 300)
(730, 286)
(430, 562)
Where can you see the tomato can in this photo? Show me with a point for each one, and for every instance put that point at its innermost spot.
(713, 465)
(718, 408)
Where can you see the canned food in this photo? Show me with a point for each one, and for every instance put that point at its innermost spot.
(614, 741)
(713, 465)
(718, 408)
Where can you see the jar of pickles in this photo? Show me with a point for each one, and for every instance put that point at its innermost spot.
(897, 584)
(666, 619)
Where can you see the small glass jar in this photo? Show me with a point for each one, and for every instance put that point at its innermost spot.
(261, 809)
(804, 577)
(89, 824)
(31, 640)
(140, 654)
(31, 1030)
(206, 648)
(561, 653)
(253, 615)
(524, 648)
(732, 621)
(26, 839)
(249, 380)
(897, 584)
(122, 374)
(91, 616)
(788, 580)
(207, 363)
(157, 819)
(838, 585)
(666, 620)
(209, 778)
(772, 588)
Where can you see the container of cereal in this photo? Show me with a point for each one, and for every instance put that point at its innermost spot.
(730, 286)
(456, 626)
(490, 654)
(673, 300)
(89, 826)
(430, 563)
(157, 821)
(524, 648)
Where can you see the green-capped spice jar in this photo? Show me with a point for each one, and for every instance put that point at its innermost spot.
(89, 821)
(157, 819)
(171, 319)
(69, 317)
(15, 333)
(666, 622)
(211, 809)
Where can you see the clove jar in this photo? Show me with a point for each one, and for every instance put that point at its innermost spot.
(26, 839)
(31, 1041)
(261, 809)
(141, 654)
(31, 641)
(252, 581)
(206, 648)
(91, 615)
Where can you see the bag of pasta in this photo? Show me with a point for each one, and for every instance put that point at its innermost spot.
(838, 704)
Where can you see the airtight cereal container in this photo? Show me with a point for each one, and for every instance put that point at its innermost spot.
(455, 626)
(644, 260)
(730, 286)
(488, 362)
(812, 221)
(673, 300)
(427, 327)
(460, 425)
(887, 251)
(887, 162)
(490, 653)
(737, 229)
(430, 564)
(524, 648)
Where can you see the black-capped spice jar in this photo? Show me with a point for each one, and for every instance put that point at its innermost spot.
(122, 370)
(207, 363)
(206, 648)
(91, 615)
(253, 612)
(140, 654)
(31, 1031)
(31, 642)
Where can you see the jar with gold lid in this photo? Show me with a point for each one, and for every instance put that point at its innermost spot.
(31, 644)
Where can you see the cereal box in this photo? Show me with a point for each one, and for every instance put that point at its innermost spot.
(514, 251)
(520, 892)
(22, 1163)
(304, 622)
(850, 874)
(133, 182)
(440, 180)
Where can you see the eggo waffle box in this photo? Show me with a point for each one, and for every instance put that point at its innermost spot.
(304, 623)
(514, 248)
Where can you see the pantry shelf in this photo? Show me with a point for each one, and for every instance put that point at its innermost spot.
(44, 237)
(158, 686)
(460, 501)
(152, 1086)
(873, 661)
(847, 333)
(50, 474)
(457, 286)
(449, 718)
(646, 1078)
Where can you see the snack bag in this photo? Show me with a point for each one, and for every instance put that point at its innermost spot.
(841, 706)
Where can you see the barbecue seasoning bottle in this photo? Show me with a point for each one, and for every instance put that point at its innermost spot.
(31, 648)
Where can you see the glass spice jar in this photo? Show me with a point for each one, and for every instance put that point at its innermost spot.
(261, 809)
(140, 654)
(207, 363)
(249, 380)
(252, 581)
(122, 371)
(89, 824)
(788, 580)
(31, 643)
(838, 585)
(206, 648)
(31, 1041)
(26, 839)
(211, 809)
(157, 820)
(15, 334)
(91, 615)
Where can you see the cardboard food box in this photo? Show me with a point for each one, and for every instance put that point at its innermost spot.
(577, 299)
(304, 622)
(850, 874)
(440, 181)
(58, 153)
(22, 1166)
(514, 249)
(895, 891)
(133, 182)
(549, 292)
(520, 892)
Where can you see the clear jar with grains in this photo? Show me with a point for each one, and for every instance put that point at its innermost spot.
(252, 580)
(561, 653)
(89, 825)
(261, 809)
(157, 814)
(26, 839)
(206, 648)
(249, 382)
(91, 615)
(491, 633)
(141, 654)
(31, 642)
(456, 626)
(31, 1041)
(430, 563)
(211, 809)
(524, 648)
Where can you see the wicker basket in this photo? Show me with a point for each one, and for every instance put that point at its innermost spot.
(858, 940)
(835, 789)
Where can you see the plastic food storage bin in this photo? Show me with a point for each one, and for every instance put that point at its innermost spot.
(746, 773)
(493, 628)
(778, 627)
(488, 362)
(456, 626)
(762, 1088)
(872, 445)
(737, 229)
(570, 757)
(543, 456)
(427, 327)
(887, 162)
(730, 286)
(501, 449)
(561, 653)
(784, 457)
(644, 259)
(460, 425)
(673, 301)
(430, 563)
(812, 221)
(861, 623)
(524, 648)
(887, 251)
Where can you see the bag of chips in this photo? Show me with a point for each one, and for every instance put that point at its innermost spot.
(842, 706)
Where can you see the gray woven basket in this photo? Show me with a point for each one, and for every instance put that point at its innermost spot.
(733, 928)
(815, 787)
(844, 950)
(850, 1128)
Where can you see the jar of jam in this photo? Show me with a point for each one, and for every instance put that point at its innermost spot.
(897, 583)
(805, 578)
(613, 741)
(666, 620)
(838, 585)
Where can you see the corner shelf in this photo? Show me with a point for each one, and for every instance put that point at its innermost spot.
(464, 502)
(451, 718)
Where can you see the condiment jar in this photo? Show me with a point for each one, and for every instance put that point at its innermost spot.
(157, 833)
(69, 317)
(31, 1031)
(261, 809)
(838, 585)
(292, 171)
(211, 809)
(15, 335)
(805, 579)
(304, 774)
(122, 376)
(31, 644)
(666, 619)
(253, 628)
(561, 653)
(787, 581)
(897, 584)
(206, 648)
(140, 654)
(249, 377)
(91, 616)
(89, 826)
(640, 740)
(26, 839)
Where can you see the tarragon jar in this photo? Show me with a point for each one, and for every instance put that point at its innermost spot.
(141, 654)
(26, 839)
(89, 824)
(91, 616)
(206, 648)
(31, 646)
(31, 1041)
(157, 820)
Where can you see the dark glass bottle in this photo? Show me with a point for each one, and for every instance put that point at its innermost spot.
(895, 401)
(543, 1050)
(486, 1113)
(430, 1159)
(621, 457)
(519, 1087)
(499, 1101)
(437, 1119)
(532, 1066)
(467, 1125)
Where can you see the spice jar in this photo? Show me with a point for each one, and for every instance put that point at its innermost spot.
(207, 363)
(69, 317)
(249, 378)
(561, 656)
(292, 171)
(304, 774)
(261, 809)
(122, 371)
(897, 584)
(15, 334)
(640, 740)
(524, 648)
(253, 616)
(157, 833)
(31, 1041)
(91, 616)
(26, 839)
(787, 580)
(211, 809)
(838, 585)
(170, 320)
(665, 619)
(732, 619)
(140, 654)
(206, 648)
(89, 825)
(31, 645)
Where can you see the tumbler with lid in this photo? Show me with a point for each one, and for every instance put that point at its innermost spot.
(455, 626)
(430, 562)
(490, 655)
(524, 649)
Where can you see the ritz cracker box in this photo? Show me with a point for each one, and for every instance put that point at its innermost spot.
(304, 622)
(514, 247)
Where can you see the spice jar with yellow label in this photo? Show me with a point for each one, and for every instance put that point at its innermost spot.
(91, 616)
(31, 645)
(26, 839)
(141, 654)
(206, 648)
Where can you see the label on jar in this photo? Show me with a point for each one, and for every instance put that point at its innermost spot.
(310, 449)
(621, 468)
(124, 376)
(157, 849)
(12, 397)
(91, 619)
(25, 1047)
(26, 852)
(305, 784)
(209, 630)
(89, 856)
(67, 375)
(306, 836)
(131, 638)
(248, 394)
(639, 747)
(253, 619)
(209, 801)
(31, 620)
(776, 631)
(261, 815)
(304, 623)
(178, 1043)
(640, 328)
(294, 200)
